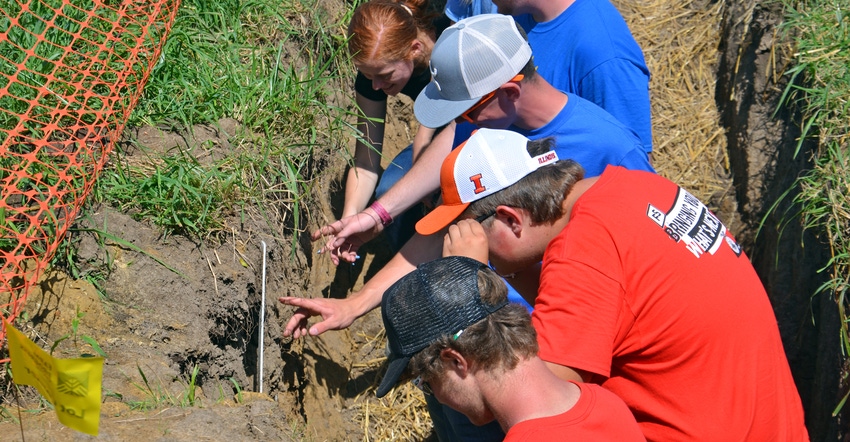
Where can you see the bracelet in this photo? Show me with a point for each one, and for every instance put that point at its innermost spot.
(382, 213)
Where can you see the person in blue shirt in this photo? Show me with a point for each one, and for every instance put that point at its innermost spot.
(457, 10)
(390, 44)
(483, 73)
(583, 47)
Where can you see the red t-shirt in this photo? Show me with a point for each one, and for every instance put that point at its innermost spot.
(647, 290)
(599, 415)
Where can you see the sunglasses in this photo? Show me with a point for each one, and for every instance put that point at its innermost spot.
(484, 99)
(480, 218)
(424, 386)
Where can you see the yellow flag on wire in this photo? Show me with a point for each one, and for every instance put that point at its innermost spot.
(71, 385)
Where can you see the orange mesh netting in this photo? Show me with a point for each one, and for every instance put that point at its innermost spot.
(70, 73)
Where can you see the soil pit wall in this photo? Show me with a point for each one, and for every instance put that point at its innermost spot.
(204, 314)
(762, 138)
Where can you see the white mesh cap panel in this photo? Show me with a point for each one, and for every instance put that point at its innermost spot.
(490, 161)
(470, 59)
(491, 52)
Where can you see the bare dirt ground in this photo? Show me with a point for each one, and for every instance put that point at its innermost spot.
(174, 305)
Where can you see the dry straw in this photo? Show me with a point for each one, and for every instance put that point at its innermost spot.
(680, 41)
(400, 415)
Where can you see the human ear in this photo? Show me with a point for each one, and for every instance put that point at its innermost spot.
(453, 360)
(415, 48)
(511, 217)
(512, 90)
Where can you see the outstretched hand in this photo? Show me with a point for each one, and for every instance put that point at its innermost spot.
(346, 236)
(336, 314)
(466, 238)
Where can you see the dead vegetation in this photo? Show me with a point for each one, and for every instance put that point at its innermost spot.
(679, 41)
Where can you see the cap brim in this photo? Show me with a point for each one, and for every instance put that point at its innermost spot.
(439, 218)
(433, 111)
(394, 371)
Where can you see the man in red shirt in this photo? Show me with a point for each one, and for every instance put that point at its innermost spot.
(642, 288)
(452, 330)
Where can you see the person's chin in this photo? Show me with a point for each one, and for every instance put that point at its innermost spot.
(391, 91)
(481, 420)
(492, 124)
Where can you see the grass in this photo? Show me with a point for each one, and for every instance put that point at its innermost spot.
(822, 40)
(76, 337)
(60, 65)
(177, 193)
(156, 394)
(271, 65)
(259, 63)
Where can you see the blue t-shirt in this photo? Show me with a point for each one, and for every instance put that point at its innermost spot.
(458, 10)
(588, 50)
(587, 134)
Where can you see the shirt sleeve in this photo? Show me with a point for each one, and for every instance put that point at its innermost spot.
(458, 10)
(580, 308)
(627, 99)
(636, 159)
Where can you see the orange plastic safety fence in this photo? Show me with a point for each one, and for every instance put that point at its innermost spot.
(70, 73)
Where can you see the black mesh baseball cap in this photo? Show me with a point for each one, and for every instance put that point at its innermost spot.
(438, 298)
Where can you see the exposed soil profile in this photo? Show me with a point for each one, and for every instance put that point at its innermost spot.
(180, 305)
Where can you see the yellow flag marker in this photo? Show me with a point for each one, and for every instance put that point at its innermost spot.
(71, 385)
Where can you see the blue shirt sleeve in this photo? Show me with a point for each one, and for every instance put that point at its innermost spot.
(458, 10)
(636, 159)
(626, 98)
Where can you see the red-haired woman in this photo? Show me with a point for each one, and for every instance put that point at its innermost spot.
(390, 42)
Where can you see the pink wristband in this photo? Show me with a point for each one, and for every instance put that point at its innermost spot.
(382, 213)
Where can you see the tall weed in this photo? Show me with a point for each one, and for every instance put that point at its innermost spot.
(822, 31)
(274, 66)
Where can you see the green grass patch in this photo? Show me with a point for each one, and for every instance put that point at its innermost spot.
(155, 393)
(277, 67)
(274, 66)
(228, 59)
(821, 32)
(178, 194)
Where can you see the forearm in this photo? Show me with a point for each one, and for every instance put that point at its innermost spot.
(359, 186)
(338, 314)
(362, 178)
(421, 140)
(422, 179)
(418, 250)
(367, 298)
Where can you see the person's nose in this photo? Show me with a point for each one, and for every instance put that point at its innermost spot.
(378, 84)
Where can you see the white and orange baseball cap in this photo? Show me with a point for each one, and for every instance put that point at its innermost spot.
(489, 161)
